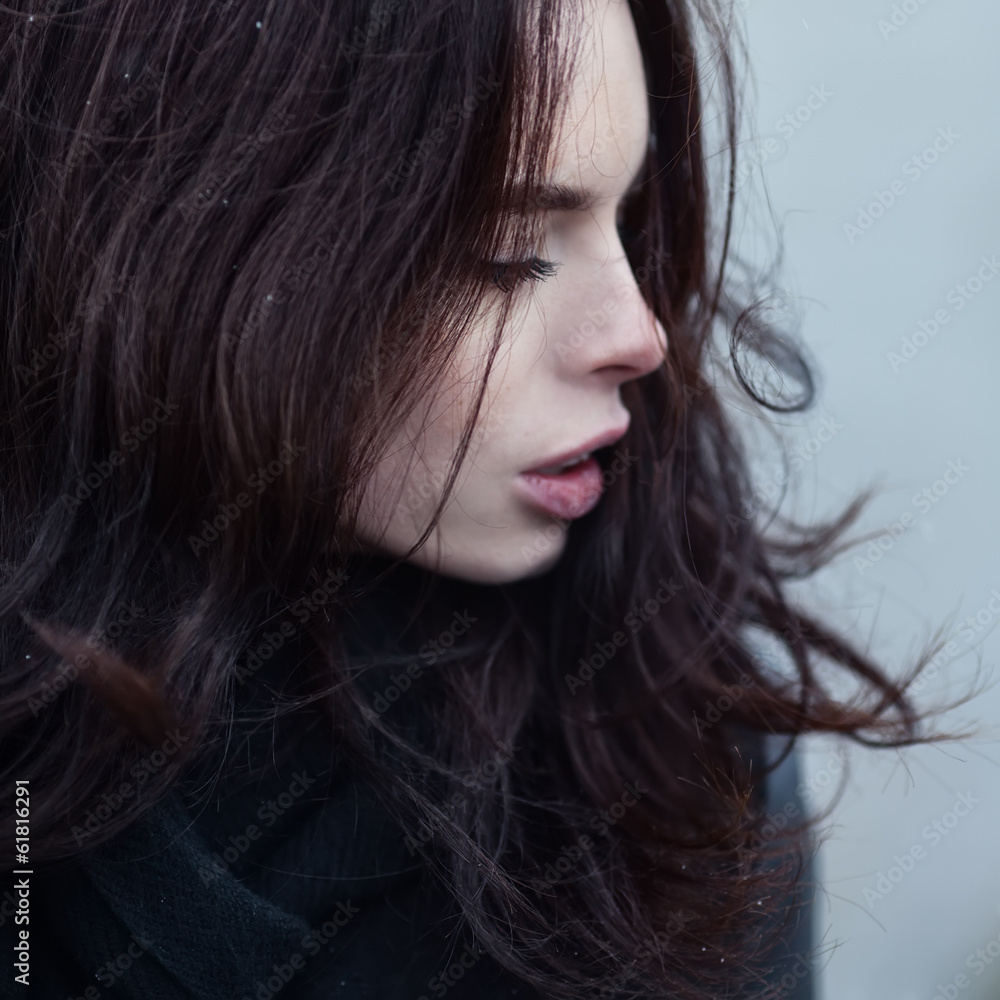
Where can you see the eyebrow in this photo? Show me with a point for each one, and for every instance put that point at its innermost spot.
(550, 197)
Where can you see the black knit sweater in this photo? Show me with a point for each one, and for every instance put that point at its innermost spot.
(285, 879)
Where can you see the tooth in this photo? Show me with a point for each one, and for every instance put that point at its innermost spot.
(554, 470)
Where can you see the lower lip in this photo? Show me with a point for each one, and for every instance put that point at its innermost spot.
(568, 494)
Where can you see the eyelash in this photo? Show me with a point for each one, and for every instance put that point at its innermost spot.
(508, 275)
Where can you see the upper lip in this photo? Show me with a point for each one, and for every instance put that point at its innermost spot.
(600, 441)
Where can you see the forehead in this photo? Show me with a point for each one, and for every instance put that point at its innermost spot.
(604, 135)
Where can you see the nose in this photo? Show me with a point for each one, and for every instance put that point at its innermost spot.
(613, 330)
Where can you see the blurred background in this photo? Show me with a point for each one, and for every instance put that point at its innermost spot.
(874, 141)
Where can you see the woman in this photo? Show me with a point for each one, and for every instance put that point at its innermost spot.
(381, 580)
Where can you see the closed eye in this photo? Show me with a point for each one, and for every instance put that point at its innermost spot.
(508, 275)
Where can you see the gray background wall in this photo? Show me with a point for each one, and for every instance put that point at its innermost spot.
(880, 98)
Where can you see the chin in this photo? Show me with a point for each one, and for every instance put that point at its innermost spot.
(490, 562)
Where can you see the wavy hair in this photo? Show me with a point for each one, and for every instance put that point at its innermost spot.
(239, 241)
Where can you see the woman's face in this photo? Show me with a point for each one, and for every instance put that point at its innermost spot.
(554, 391)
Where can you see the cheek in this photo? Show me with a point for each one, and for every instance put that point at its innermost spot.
(409, 480)
(519, 387)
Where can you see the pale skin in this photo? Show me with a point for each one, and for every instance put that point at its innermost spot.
(575, 338)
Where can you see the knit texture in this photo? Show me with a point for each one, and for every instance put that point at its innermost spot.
(283, 879)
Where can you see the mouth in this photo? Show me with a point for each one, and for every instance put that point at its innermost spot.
(564, 460)
(570, 484)
(555, 470)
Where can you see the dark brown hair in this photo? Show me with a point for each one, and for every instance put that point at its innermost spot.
(239, 240)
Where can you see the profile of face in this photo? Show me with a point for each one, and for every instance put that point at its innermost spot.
(574, 337)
